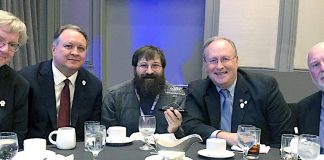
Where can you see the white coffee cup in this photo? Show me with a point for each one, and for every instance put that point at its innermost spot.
(214, 145)
(116, 133)
(34, 148)
(65, 138)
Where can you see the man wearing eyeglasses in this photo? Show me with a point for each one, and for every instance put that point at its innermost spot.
(63, 93)
(13, 87)
(144, 95)
(230, 96)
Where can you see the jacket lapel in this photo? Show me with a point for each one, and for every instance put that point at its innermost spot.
(213, 106)
(240, 102)
(79, 96)
(45, 78)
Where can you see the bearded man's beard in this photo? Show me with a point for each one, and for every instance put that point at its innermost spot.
(149, 84)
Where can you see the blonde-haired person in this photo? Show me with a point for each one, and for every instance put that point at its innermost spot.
(13, 87)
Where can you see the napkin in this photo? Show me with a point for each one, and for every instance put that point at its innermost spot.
(320, 157)
(60, 157)
(263, 148)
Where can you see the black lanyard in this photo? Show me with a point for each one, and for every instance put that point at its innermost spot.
(153, 105)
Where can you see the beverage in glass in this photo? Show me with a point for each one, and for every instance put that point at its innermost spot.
(95, 140)
(254, 151)
(8, 145)
(146, 126)
(86, 124)
(288, 149)
(246, 138)
(308, 146)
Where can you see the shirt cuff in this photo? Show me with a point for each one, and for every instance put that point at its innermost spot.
(214, 134)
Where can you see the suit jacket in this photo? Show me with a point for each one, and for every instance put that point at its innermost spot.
(86, 103)
(13, 102)
(265, 107)
(308, 113)
(121, 107)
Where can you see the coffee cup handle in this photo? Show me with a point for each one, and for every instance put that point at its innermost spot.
(50, 137)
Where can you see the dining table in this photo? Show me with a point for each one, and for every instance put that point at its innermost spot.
(131, 151)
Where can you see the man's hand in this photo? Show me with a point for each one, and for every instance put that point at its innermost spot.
(231, 138)
(174, 119)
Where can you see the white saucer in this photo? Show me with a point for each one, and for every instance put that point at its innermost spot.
(225, 154)
(158, 157)
(126, 140)
(22, 155)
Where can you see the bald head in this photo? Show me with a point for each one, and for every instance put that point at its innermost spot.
(316, 64)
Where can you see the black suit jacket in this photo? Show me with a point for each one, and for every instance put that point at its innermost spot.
(86, 104)
(13, 102)
(308, 113)
(265, 108)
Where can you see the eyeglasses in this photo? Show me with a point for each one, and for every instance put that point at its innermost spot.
(146, 66)
(13, 47)
(223, 60)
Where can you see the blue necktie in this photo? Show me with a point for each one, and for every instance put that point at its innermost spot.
(226, 110)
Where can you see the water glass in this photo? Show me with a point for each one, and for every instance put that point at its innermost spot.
(95, 140)
(146, 126)
(308, 146)
(288, 149)
(86, 124)
(246, 138)
(8, 145)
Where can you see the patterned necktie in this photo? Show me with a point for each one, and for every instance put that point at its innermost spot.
(226, 110)
(63, 118)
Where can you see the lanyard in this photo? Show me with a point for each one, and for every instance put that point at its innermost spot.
(153, 105)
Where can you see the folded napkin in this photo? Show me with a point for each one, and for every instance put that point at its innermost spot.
(263, 148)
(320, 157)
(60, 157)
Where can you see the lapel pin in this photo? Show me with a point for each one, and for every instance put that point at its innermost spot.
(84, 82)
(242, 103)
(2, 103)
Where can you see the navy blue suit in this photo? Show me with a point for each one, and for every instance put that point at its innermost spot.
(86, 104)
(265, 108)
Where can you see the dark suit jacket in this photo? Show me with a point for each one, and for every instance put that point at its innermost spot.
(265, 108)
(86, 104)
(13, 102)
(308, 113)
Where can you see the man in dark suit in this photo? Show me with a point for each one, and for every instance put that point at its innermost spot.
(47, 80)
(248, 99)
(13, 87)
(309, 112)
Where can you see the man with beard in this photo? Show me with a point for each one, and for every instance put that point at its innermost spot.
(309, 112)
(144, 95)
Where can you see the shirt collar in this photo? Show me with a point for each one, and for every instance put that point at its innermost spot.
(59, 77)
(231, 88)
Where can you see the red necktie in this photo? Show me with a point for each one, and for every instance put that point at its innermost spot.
(63, 118)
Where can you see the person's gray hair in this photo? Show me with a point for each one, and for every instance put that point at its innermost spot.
(15, 26)
(216, 38)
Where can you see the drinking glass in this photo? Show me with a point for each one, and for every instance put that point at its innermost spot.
(246, 138)
(86, 124)
(8, 145)
(308, 146)
(146, 126)
(95, 139)
(289, 143)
